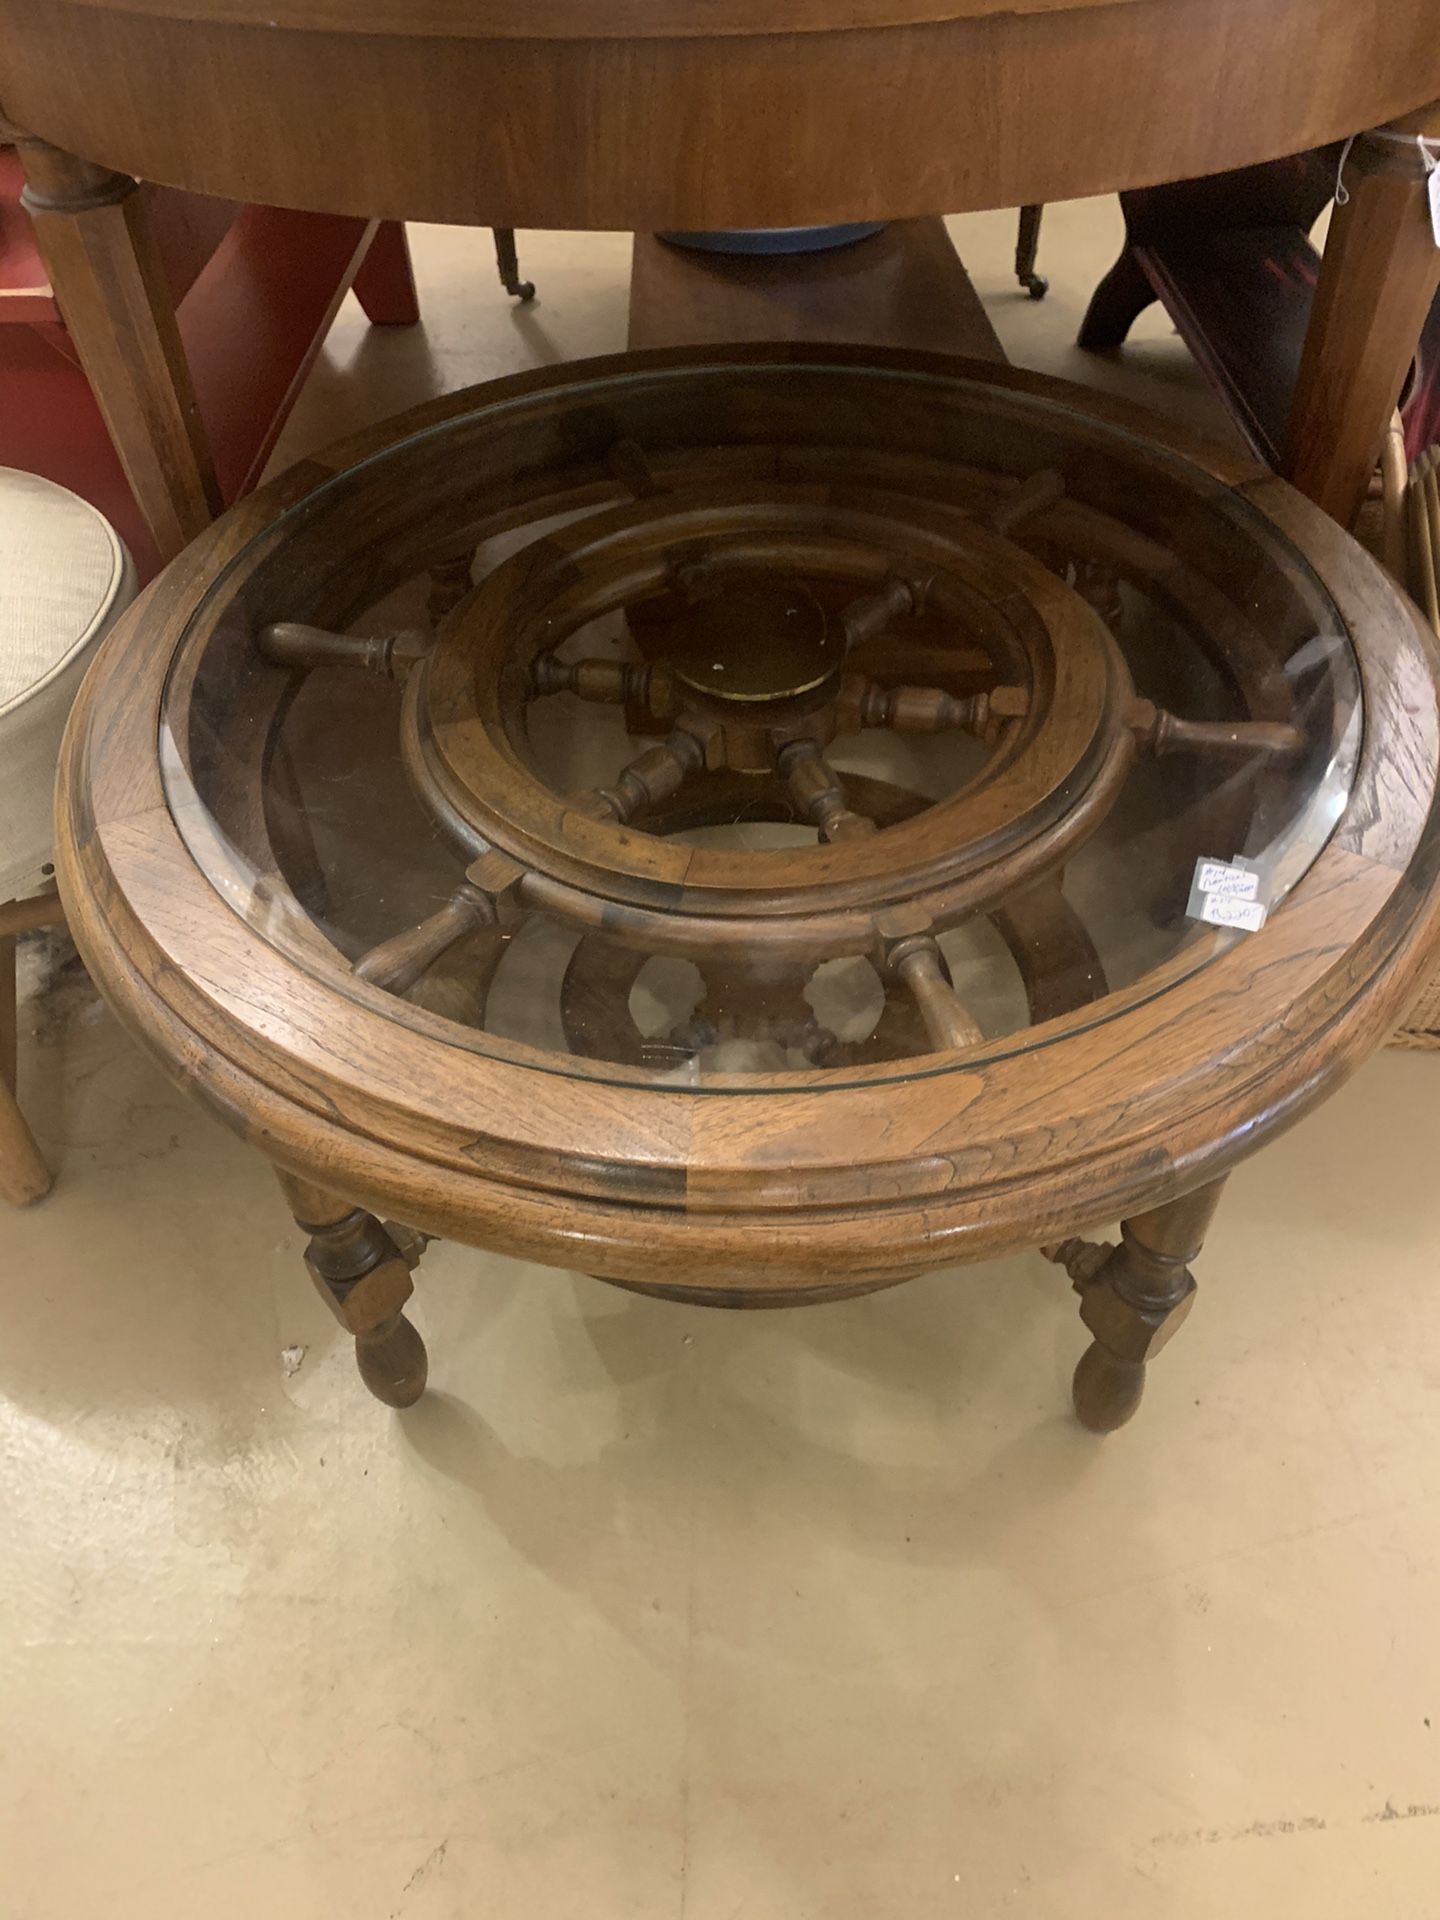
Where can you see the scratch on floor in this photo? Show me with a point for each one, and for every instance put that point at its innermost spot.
(1390, 1811)
(1256, 1830)
(1273, 1829)
(1109, 1590)
(434, 1859)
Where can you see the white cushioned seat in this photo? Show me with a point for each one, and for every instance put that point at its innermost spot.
(64, 578)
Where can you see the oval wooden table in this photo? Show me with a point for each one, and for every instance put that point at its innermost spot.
(726, 822)
(651, 114)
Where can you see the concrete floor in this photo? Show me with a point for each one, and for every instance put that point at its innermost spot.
(653, 1614)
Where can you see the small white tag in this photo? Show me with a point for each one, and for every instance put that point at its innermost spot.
(1219, 877)
(1434, 185)
(1221, 911)
(1226, 893)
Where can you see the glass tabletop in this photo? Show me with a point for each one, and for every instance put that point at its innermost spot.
(807, 724)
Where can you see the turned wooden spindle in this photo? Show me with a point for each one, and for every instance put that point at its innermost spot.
(912, 709)
(866, 703)
(1161, 733)
(397, 963)
(290, 643)
(917, 961)
(818, 794)
(653, 777)
(867, 618)
(1033, 495)
(612, 682)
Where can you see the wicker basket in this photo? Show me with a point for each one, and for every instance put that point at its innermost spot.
(1422, 1024)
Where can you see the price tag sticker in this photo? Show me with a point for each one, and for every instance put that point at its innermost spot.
(1226, 893)
(1234, 882)
(1218, 911)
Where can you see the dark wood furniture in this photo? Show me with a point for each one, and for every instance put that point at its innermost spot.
(768, 877)
(658, 114)
(903, 287)
(1231, 259)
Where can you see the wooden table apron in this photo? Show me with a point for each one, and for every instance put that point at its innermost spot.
(974, 1153)
(658, 113)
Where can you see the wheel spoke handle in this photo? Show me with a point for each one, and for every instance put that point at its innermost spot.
(1161, 733)
(817, 792)
(916, 960)
(289, 643)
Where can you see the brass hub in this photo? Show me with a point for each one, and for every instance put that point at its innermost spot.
(757, 640)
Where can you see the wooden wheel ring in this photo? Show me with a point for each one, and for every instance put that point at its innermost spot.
(1047, 786)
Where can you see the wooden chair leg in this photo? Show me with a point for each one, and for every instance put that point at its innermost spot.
(385, 282)
(1116, 304)
(1133, 1298)
(24, 1177)
(95, 238)
(507, 262)
(1378, 280)
(1027, 250)
(362, 1272)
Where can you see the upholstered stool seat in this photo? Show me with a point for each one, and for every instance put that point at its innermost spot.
(64, 576)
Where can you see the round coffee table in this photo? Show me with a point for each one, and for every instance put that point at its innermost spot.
(755, 826)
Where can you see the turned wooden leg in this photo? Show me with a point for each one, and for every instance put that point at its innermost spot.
(95, 237)
(24, 1176)
(1117, 303)
(1133, 1298)
(362, 1272)
(1377, 282)
(385, 283)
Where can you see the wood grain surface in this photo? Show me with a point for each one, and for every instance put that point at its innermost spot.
(733, 114)
(585, 19)
(904, 287)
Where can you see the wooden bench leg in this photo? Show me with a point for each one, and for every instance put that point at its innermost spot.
(107, 277)
(24, 1177)
(1377, 282)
